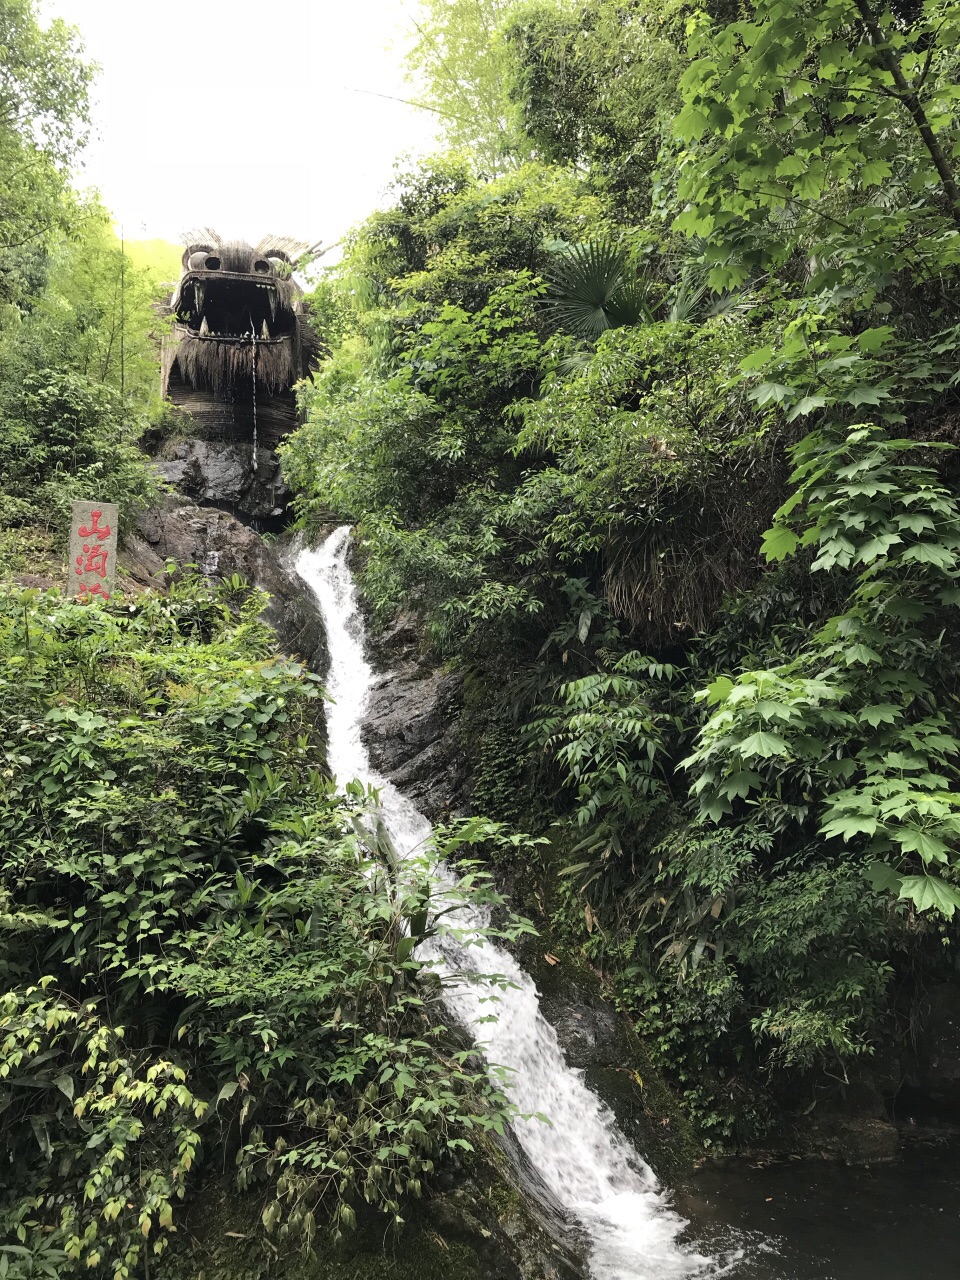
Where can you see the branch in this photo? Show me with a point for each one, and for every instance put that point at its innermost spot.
(908, 96)
(408, 102)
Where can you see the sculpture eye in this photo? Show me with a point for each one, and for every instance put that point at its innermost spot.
(262, 267)
(203, 260)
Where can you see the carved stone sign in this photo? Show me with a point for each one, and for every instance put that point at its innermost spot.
(92, 563)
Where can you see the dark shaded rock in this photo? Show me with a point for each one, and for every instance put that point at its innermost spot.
(412, 725)
(589, 1031)
(851, 1139)
(938, 1048)
(220, 545)
(845, 1123)
(224, 474)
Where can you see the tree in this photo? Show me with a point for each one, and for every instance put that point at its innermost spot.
(44, 107)
(824, 128)
(466, 69)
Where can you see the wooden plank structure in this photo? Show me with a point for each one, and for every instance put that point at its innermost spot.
(240, 340)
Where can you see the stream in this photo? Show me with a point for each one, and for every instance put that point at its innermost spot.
(771, 1224)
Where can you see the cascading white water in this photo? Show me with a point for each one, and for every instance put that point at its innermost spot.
(588, 1165)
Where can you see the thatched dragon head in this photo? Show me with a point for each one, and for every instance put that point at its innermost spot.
(238, 315)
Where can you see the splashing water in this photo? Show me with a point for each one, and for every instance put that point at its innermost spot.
(585, 1162)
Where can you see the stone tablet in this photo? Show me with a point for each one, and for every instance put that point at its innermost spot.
(92, 564)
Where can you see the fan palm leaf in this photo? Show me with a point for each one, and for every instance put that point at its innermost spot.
(592, 289)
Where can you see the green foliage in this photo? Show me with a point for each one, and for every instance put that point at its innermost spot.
(760, 848)
(594, 290)
(596, 86)
(78, 383)
(203, 962)
(856, 727)
(610, 742)
(77, 359)
(831, 127)
(463, 68)
(68, 436)
(44, 87)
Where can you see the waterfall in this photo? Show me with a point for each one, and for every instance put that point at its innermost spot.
(584, 1160)
(255, 445)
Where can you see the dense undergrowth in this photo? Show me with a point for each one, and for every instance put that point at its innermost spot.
(205, 966)
(644, 400)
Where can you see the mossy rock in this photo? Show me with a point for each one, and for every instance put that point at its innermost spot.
(477, 1226)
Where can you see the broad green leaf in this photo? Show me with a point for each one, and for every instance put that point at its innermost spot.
(866, 395)
(807, 405)
(772, 391)
(690, 124)
(930, 893)
(861, 655)
(873, 173)
(779, 542)
(719, 690)
(929, 847)
(880, 713)
(791, 167)
(883, 878)
(874, 340)
(764, 743)
(878, 546)
(756, 360)
(930, 553)
(740, 784)
(850, 825)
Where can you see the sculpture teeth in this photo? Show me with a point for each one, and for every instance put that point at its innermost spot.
(204, 327)
(264, 332)
(199, 293)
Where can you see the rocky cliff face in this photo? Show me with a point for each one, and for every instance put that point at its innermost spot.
(220, 545)
(412, 727)
(228, 474)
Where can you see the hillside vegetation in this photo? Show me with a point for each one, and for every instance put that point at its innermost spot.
(645, 397)
(209, 1000)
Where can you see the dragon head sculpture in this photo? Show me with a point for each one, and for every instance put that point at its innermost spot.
(239, 330)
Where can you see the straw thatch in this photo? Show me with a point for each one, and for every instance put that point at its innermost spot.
(209, 364)
(227, 367)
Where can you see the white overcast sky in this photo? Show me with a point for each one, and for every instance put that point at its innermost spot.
(246, 117)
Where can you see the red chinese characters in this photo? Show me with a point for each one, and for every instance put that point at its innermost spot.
(94, 530)
(93, 550)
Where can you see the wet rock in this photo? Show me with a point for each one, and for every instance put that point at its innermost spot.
(226, 474)
(851, 1139)
(220, 545)
(411, 727)
(588, 1029)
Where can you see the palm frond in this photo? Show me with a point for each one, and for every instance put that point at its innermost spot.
(592, 290)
